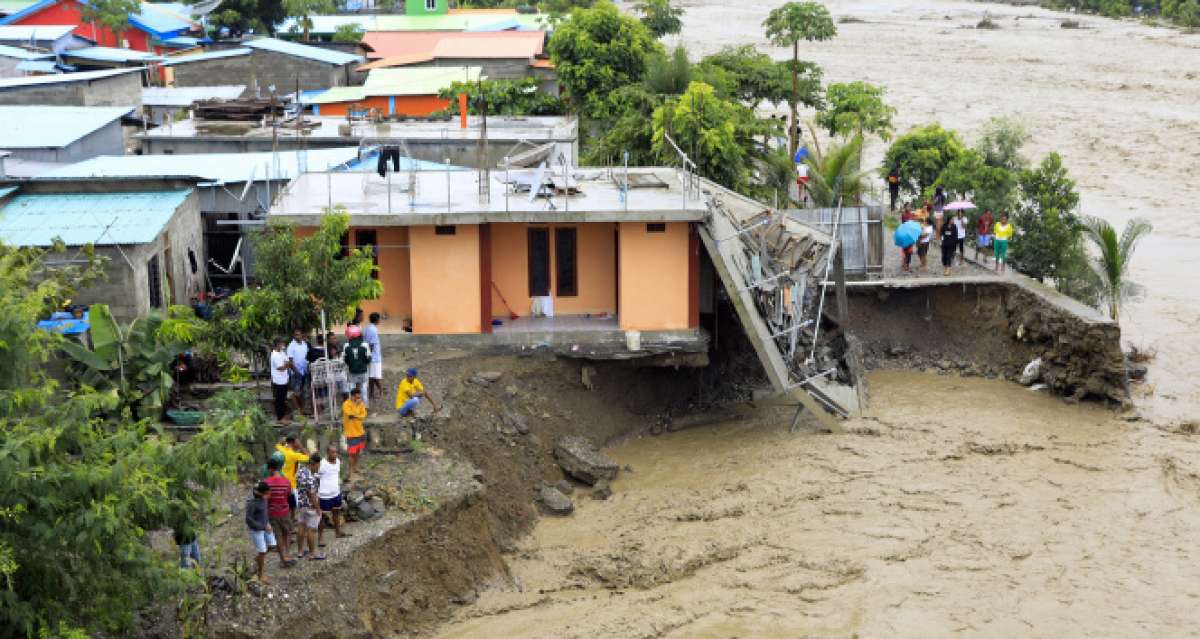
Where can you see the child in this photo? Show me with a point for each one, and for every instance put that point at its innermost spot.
(260, 528)
(1002, 236)
(353, 414)
(923, 243)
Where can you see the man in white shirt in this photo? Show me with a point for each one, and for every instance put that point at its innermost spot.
(280, 368)
(297, 352)
(329, 491)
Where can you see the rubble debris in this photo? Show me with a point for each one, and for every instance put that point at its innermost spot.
(1032, 372)
(581, 460)
(554, 502)
(601, 491)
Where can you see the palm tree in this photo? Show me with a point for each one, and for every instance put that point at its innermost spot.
(1114, 256)
(836, 171)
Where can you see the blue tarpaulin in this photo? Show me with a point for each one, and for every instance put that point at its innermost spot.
(65, 324)
(907, 234)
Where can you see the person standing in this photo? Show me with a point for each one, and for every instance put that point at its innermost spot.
(409, 395)
(960, 232)
(923, 243)
(893, 182)
(983, 234)
(1003, 233)
(189, 544)
(310, 511)
(329, 491)
(297, 352)
(375, 369)
(259, 524)
(906, 213)
(280, 371)
(353, 414)
(278, 511)
(357, 356)
(949, 242)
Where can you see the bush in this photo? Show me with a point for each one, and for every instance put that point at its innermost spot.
(987, 23)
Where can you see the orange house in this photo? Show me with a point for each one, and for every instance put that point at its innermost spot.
(404, 91)
(453, 260)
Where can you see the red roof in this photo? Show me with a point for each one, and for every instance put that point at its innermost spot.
(482, 44)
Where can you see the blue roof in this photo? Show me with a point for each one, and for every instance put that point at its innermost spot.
(6, 190)
(111, 54)
(88, 218)
(52, 127)
(82, 76)
(23, 54)
(158, 21)
(302, 51)
(220, 168)
(38, 66)
(209, 55)
(185, 42)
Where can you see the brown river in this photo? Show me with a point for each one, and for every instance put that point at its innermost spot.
(955, 506)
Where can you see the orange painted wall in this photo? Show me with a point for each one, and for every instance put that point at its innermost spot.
(654, 277)
(419, 105)
(394, 273)
(446, 295)
(595, 262)
(343, 108)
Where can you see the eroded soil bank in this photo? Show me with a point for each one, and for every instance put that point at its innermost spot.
(956, 505)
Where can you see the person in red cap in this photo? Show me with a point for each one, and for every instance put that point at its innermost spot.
(357, 356)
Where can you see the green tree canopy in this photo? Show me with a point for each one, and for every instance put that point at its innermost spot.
(111, 14)
(668, 75)
(628, 130)
(660, 17)
(716, 134)
(786, 26)
(242, 16)
(1113, 256)
(504, 97)
(1000, 143)
(1047, 217)
(348, 33)
(303, 10)
(596, 52)
(856, 107)
(921, 155)
(752, 77)
(836, 172)
(969, 177)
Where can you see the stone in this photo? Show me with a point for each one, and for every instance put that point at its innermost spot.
(601, 491)
(565, 487)
(378, 505)
(1032, 373)
(1137, 372)
(485, 378)
(516, 422)
(554, 502)
(587, 377)
(355, 498)
(511, 390)
(364, 511)
(581, 460)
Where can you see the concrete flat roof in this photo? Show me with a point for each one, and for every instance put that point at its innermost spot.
(500, 129)
(452, 197)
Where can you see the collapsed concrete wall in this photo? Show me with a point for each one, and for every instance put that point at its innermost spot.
(993, 330)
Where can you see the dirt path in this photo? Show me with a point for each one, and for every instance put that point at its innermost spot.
(1012, 515)
(1117, 99)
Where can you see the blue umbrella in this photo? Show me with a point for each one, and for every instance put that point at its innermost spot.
(907, 234)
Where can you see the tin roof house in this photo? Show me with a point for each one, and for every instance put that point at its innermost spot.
(39, 138)
(263, 63)
(148, 28)
(404, 91)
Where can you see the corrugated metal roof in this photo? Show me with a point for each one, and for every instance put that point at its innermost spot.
(8, 7)
(452, 22)
(417, 80)
(88, 218)
(26, 32)
(185, 96)
(396, 61)
(390, 44)
(208, 55)
(5, 191)
(463, 46)
(336, 95)
(111, 54)
(326, 24)
(83, 76)
(38, 66)
(328, 56)
(52, 127)
(161, 20)
(185, 42)
(23, 54)
(221, 168)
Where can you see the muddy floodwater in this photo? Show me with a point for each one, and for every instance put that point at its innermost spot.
(956, 505)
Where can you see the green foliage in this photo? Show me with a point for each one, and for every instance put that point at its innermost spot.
(921, 155)
(660, 17)
(786, 26)
(348, 33)
(134, 361)
(242, 16)
(716, 134)
(1185, 13)
(969, 177)
(856, 107)
(83, 483)
(504, 97)
(111, 14)
(1113, 257)
(668, 75)
(753, 77)
(1047, 217)
(596, 52)
(302, 10)
(628, 130)
(298, 277)
(1000, 143)
(837, 172)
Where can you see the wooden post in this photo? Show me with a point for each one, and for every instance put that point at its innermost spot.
(839, 280)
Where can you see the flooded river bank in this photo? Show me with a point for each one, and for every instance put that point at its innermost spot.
(1010, 514)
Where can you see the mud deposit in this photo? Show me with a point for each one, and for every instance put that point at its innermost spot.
(957, 505)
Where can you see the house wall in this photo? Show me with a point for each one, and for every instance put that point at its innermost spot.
(8, 68)
(262, 68)
(394, 273)
(418, 105)
(446, 296)
(119, 90)
(107, 140)
(492, 68)
(654, 273)
(67, 12)
(595, 260)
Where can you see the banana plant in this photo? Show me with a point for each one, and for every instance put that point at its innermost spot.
(135, 361)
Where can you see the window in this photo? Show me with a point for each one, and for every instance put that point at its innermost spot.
(565, 265)
(431, 5)
(539, 262)
(656, 227)
(369, 240)
(445, 229)
(154, 277)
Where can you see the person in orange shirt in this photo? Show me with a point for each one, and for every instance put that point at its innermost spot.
(354, 411)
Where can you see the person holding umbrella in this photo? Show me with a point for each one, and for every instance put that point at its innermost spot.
(905, 237)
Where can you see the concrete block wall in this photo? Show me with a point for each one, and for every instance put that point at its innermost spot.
(118, 90)
(263, 69)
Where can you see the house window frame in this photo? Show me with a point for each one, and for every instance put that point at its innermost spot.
(559, 271)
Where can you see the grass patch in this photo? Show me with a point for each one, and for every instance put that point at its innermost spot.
(850, 20)
(987, 23)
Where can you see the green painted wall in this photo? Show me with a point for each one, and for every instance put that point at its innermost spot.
(421, 7)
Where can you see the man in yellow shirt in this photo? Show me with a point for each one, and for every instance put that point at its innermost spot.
(1002, 236)
(354, 411)
(294, 455)
(409, 395)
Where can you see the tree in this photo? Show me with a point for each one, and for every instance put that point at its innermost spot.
(1114, 256)
(969, 177)
(348, 33)
(84, 483)
(668, 75)
(110, 14)
(836, 173)
(1000, 144)
(660, 17)
(504, 97)
(597, 52)
(921, 155)
(753, 77)
(628, 130)
(856, 107)
(301, 10)
(1185, 13)
(297, 277)
(716, 134)
(243, 16)
(787, 25)
(1047, 220)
